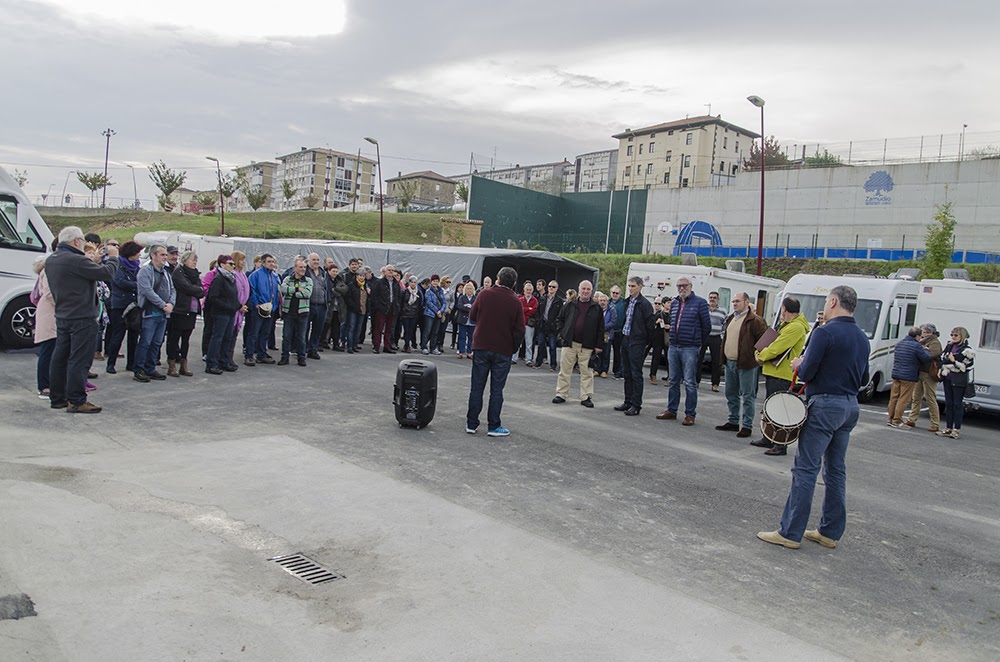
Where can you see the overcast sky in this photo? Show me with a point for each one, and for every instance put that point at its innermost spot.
(437, 80)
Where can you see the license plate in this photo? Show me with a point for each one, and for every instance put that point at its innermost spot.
(982, 388)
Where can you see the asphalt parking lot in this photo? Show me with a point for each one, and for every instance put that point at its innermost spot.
(144, 532)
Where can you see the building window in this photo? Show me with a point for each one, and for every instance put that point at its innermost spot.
(734, 169)
(722, 166)
(649, 168)
(666, 177)
(640, 147)
(628, 171)
(652, 147)
(630, 138)
(684, 182)
(652, 135)
(687, 161)
(737, 148)
(670, 153)
(628, 150)
(725, 142)
(437, 187)
(688, 138)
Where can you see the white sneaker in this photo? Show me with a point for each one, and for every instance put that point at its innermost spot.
(470, 430)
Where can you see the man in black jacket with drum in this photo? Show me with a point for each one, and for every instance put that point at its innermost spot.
(581, 333)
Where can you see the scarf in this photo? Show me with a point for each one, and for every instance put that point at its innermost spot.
(130, 265)
(225, 273)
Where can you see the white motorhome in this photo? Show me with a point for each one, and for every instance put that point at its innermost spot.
(24, 237)
(886, 308)
(660, 279)
(975, 306)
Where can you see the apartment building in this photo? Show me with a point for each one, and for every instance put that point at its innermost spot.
(430, 187)
(258, 173)
(323, 179)
(595, 171)
(553, 178)
(697, 151)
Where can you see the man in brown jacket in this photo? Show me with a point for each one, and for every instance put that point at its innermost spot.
(742, 329)
(926, 387)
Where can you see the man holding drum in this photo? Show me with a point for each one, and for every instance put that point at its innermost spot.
(777, 358)
(835, 367)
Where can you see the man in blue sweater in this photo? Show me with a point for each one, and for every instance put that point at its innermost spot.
(834, 367)
(263, 304)
(690, 325)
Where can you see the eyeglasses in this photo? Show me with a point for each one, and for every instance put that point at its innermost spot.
(231, 264)
(552, 287)
(115, 244)
(956, 335)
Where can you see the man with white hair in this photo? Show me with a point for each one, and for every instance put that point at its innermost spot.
(156, 297)
(72, 279)
(385, 304)
(581, 333)
(318, 302)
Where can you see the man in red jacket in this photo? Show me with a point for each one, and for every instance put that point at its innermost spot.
(499, 320)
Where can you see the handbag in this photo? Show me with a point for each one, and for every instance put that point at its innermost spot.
(133, 317)
(595, 361)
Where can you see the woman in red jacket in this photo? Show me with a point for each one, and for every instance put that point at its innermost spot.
(530, 305)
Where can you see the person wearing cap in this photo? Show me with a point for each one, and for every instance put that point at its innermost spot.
(156, 297)
(173, 259)
(263, 302)
(926, 386)
(221, 303)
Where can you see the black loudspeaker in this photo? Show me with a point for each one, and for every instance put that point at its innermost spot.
(415, 394)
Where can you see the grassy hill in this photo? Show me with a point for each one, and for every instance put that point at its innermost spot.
(361, 226)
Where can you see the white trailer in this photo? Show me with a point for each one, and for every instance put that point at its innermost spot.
(886, 308)
(975, 306)
(661, 279)
(24, 237)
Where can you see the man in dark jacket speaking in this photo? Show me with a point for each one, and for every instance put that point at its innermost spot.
(499, 320)
(73, 280)
(581, 333)
(690, 325)
(907, 360)
(637, 328)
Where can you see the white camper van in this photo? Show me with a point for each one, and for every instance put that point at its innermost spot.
(660, 279)
(24, 236)
(976, 306)
(886, 308)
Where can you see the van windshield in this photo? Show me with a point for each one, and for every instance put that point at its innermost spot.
(9, 236)
(866, 314)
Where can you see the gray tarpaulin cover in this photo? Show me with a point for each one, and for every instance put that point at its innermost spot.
(424, 260)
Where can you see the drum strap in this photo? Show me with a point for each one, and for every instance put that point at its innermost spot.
(795, 381)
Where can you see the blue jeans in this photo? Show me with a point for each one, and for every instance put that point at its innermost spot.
(222, 337)
(293, 335)
(465, 338)
(546, 344)
(351, 329)
(496, 367)
(633, 352)
(429, 332)
(741, 394)
(317, 318)
(682, 363)
(45, 349)
(71, 359)
(823, 441)
(410, 331)
(150, 340)
(258, 333)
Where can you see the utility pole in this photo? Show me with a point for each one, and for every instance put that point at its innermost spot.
(357, 182)
(107, 133)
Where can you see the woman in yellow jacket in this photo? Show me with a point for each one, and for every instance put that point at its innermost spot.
(777, 358)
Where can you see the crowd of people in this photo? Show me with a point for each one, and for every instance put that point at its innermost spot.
(93, 297)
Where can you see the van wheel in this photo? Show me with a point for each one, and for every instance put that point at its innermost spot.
(869, 391)
(17, 324)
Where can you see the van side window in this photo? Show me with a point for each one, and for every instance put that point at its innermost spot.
(725, 299)
(989, 338)
(911, 315)
(9, 237)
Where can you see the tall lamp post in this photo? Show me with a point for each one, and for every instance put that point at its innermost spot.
(135, 189)
(107, 133)
(222, 201)
(381, 200)
(757, 101)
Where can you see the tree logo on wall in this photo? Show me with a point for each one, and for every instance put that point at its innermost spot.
(878, 184)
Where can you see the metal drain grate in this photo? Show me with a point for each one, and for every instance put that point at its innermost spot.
(305, 568)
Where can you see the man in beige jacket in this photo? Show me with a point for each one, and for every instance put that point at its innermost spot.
(926, 387)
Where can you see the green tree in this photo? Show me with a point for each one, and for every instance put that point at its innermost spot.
(94, 182)
(257, 196)
(462, 191)
(406, 192)
(288, 190)
(312, 200)
(939, 242)
(206, 199)
(167, 181)
(773, 156)
(229, 185)
(824, 160)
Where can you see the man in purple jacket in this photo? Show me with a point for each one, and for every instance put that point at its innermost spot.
(499, 320)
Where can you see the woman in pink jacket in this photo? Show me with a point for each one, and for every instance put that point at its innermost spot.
(45, 326)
